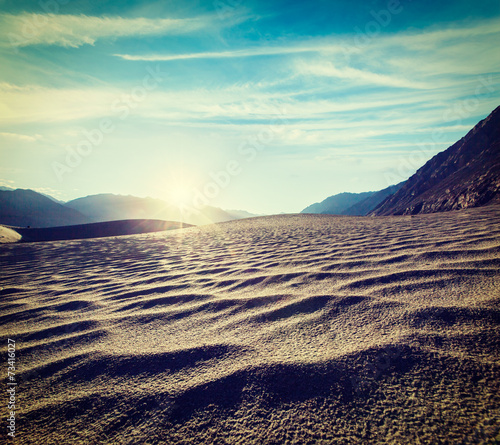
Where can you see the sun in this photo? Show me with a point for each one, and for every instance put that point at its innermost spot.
(177, 187)
(179, 195)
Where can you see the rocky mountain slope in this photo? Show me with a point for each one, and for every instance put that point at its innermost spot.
(465, 175)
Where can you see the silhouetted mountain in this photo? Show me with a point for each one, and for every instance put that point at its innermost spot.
(5, 189)
(336, 204)
(367, 205)
(28, 208)
(109, 207)
(467, 174)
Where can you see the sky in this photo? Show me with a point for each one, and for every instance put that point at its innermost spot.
(264, 106)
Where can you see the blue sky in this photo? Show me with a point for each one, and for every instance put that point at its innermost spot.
(255, 105)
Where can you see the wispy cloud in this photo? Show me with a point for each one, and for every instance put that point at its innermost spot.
(49, 191)
(427, 40)
(416, 40)
(32, 103)
(402, 60)
(20, 137)
(77, 30)
(381, 110)
(247, 52)
(327, 69)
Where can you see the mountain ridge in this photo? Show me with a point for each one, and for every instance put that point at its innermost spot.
(364, 207)
(336, 204)
(466, 174)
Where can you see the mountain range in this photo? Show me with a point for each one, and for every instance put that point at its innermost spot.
(337, 204)
(29, 208)
(352, 204)
(109, 207)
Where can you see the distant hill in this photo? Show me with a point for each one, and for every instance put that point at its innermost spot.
(28, 208)
(364, 207)
(352, 204)
(110, 207)
(467, 174)
(337, 204)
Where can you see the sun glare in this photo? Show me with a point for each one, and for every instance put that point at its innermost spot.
(177, 188)
(179, 195)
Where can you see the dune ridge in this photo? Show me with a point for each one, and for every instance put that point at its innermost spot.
(288, 329)
(90, 230)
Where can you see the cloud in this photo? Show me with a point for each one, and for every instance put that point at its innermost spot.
(398, 88)
(77, 30)
(236, 107)
(424, 59)
(241, 53)
(20, 137)
(411, 59)
(57, 194)
(427, 40)
(33, 103)
(327, 69)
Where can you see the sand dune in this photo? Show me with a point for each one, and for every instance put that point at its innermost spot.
(85, 231)
(8, 235)
(303, 329)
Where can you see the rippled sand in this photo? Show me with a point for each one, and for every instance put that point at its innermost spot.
(303, 329)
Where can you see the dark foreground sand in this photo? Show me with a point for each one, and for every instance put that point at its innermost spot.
(300, 329)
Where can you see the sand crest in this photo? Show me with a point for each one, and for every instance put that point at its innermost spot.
(8, 235)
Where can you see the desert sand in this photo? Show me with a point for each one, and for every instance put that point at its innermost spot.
(300, 329)
(8, 235)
